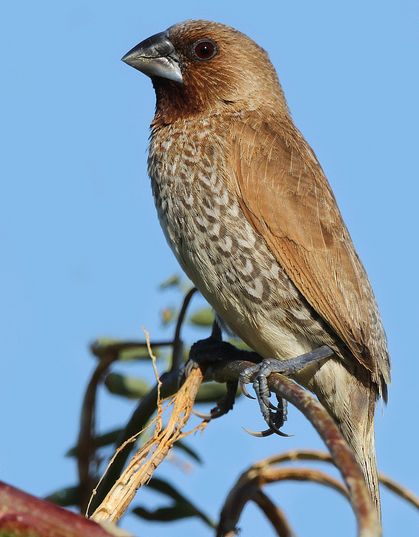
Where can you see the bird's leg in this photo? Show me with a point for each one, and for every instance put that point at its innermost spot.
(259, 373)
(224, 405)
(213, 349)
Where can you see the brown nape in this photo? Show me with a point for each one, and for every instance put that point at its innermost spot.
(240, 76)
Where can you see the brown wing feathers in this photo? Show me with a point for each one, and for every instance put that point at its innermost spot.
(287, 198)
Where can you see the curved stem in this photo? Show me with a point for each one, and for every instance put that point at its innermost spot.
(177, 342)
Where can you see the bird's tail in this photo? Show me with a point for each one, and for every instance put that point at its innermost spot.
(351, 403)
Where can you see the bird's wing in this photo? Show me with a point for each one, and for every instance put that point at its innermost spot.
(287, 198)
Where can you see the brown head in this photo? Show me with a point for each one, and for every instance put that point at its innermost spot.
(201, 67)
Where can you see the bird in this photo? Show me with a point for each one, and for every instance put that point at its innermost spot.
(249, 214)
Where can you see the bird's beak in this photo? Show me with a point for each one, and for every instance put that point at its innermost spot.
(155, 57)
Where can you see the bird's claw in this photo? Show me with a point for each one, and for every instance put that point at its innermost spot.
(223, 406)
(258, 374)
(259, 434)
(244, 389)
(274, 416)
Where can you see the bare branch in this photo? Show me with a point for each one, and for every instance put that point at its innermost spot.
(85, 443)
(368, 524)
(403, 492)
(274, 514)
(257, 476)
(321, 456)
(273, 475)
(177, 342)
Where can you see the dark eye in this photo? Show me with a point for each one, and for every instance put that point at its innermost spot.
(204, 49)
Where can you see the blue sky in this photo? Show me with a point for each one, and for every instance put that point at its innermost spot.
(82, 251)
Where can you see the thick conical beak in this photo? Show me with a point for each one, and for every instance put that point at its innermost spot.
(155, 57)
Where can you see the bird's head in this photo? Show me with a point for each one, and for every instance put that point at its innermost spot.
(201, 67)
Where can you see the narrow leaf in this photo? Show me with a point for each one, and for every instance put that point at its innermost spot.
(182, 446)
(131, 387)
(101, 440)
(172, 281)
(164, 487)
(203, 317)
(210, 392)
(66, 497)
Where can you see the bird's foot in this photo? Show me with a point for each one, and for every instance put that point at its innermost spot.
(224, 405)
(258, 374)
(208, 351)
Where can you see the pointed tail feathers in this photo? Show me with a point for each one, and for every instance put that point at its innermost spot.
(351, 403)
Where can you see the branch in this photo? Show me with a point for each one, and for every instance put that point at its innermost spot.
(403, 492)
(85, 450)
(177, 342)
(256, 476)
(137, 422)
(147, 459)
(273, 513)
(321, 456)
(368, 525)
(145, 409)
(85, 445)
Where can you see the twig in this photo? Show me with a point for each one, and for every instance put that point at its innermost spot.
(159, 422)
(321, 456)
(274, 514)
(85, 443)
(146, 460)
(403, 492)
(261, 474)
(177, 342)
(273, 475)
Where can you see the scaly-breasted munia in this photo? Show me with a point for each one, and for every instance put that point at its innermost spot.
(251, 218)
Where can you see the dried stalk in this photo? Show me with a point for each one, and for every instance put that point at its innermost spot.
(149, 456)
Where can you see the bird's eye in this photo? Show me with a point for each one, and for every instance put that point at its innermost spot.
(204, 49)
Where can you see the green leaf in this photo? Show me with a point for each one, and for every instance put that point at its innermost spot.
(203, 317)
(210, 392)
(182, 446)
(239, 343)
(137, 353)
(168, 315)
(131, 387)
(65, 497)
(172, 281)
(101, 440)
(165, 514)
(103, 346)
(124, 355)
(181, 507)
